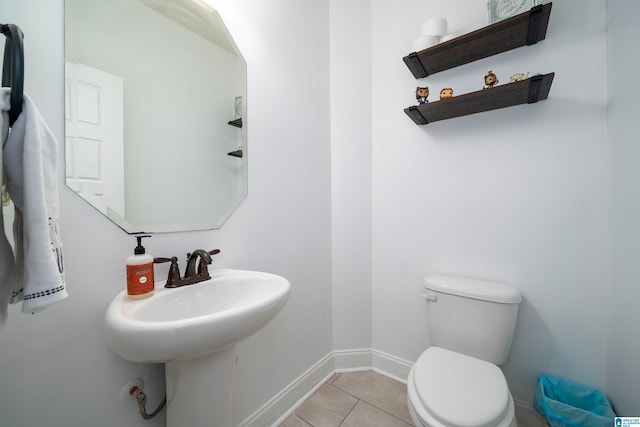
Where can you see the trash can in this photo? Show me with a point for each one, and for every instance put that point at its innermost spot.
(563, 403)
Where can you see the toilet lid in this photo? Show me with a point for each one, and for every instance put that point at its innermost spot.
(459, 390)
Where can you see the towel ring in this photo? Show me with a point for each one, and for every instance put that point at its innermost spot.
(13, 67)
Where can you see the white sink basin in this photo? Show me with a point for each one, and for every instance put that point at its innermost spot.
(194, 320)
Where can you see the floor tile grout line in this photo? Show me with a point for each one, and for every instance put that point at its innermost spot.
(383, 399)
(360, 399)
(368, 403)
(303, 420)
(334, 378)
(382, 410)
(345, 417)
(345, 391)
(350, 411)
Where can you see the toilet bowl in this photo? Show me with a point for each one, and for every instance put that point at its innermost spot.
(457, 382)
(449, 389)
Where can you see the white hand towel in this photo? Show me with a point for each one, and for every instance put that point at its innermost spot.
(7, 262)
(30, 159)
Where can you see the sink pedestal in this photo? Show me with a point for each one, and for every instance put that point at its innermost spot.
(199, 390)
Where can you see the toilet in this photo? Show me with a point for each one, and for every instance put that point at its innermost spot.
(457, 382)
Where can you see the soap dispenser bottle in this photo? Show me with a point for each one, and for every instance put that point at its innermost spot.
(140, 281)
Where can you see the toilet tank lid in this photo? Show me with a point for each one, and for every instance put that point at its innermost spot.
(473, 288)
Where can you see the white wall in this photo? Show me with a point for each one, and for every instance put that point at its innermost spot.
(514, 195)
(351, 172)
(623, 375)
(55, 368)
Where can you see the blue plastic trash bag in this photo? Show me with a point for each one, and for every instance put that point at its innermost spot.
(563, 403)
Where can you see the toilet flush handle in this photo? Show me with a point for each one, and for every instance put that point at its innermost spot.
(429, 296)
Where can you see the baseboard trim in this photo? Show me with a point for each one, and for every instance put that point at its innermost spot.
(391, 366)
(352, 360)
(283, 404)
(278, 408)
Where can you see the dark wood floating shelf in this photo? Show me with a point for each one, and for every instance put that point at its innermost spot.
(526, 91)
(524, 29)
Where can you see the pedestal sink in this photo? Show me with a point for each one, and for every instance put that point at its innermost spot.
(194, 330)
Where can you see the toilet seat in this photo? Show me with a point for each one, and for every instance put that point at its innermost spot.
(454, 390)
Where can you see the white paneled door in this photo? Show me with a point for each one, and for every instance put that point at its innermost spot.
(94, 140)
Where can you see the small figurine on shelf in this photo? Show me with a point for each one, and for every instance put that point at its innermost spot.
(421, 94)
(490, 80)
(518, 77)
(446, 93)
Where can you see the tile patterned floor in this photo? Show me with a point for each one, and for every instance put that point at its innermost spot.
(359, 399)
(354, 399)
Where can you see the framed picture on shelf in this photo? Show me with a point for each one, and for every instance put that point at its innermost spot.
(503, 9)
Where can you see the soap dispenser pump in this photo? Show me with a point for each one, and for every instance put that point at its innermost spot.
(140, 280)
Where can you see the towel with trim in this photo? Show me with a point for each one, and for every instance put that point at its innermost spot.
(30, 163)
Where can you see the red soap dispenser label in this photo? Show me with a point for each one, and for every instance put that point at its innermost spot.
(140, 279)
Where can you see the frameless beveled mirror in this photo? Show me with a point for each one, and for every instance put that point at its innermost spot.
(155, 113)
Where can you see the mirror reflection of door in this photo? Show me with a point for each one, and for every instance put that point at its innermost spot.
(94, 136)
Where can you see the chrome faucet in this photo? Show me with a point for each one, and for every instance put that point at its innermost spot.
(191, 275)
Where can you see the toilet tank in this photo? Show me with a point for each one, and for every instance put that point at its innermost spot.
(473, 317)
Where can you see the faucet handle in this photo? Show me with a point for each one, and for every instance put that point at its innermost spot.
(174, 271)
(211, 252)
(203, 270)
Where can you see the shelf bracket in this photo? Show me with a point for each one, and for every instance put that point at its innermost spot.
(236, 123)
(417, 65)
(416, 115)
(535, 19)
(535, 84)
